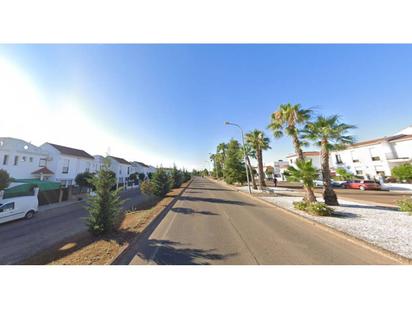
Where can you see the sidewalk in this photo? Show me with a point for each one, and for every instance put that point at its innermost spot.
(383, 226)
(47, 207)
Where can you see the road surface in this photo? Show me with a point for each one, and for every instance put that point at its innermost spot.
(368, 196)
(210, 224)
(22, 238)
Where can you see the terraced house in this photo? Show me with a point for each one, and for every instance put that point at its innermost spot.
(375, 158)
(66, 162)
(23, 160)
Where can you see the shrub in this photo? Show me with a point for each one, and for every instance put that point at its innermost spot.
(146, 187)
(403, 172)
(314, 208)
(160, 182)
(142, 176)
(405, 205)
(300, 205)
(176, 177)
(4, 179)
(104, 207)
(83, 180)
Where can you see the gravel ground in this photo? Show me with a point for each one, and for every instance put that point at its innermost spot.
(383, 226)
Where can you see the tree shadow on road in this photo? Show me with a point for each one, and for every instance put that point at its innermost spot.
(209, 189)
(190, 211)
(214, 200)
(172, 253)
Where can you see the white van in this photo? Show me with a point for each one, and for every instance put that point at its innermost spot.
(18, 207)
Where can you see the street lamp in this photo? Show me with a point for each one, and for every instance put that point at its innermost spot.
(244, 151)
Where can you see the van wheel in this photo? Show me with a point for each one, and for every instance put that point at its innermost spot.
(29, 214)
(362, 188)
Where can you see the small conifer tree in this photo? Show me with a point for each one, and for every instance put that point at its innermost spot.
(104, 207)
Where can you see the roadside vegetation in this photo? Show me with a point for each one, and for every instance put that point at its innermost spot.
(104, 206)
(4, 179)
(405, 205)
(403, 172)
(329, 134)
(300, 124)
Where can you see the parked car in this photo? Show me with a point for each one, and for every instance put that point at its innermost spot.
(362, 185)
(18, 207)
(335, 184)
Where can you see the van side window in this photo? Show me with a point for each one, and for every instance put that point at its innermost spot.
(7, 207)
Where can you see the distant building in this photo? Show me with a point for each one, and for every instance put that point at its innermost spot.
(66, 162)
(98, 162)
(22, 160)
(279, 168)
(375, 158)
(314, 156)
(121, 167)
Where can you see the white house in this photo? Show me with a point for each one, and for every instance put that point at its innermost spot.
(308, 155)
(121, 168)
(140, 167)
(374, 158)
(66, 163)
(279, 168)
(22, 160)
(98, 162)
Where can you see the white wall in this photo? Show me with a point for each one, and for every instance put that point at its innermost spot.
(28, 157)
(315, 160)
(370, 168)
(76, 165)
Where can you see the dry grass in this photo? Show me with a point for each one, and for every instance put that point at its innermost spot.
(85, 249)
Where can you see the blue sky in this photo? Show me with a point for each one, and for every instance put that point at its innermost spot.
(168, 103)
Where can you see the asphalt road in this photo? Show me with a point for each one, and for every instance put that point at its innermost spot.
(210, 224)
(385, 197)
(21, 239)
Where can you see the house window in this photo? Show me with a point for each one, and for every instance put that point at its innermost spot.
(5, 159)
(128, 170)
(380, 170)
(338, 159)
(65, 169)
(16, 160)
(31, 159)
(42, 162)
(375, 153)
(359, 172)
(23, 158)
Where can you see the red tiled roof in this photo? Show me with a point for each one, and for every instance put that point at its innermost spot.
(305, 153)
(43, 170)
(120, 160)
(394, 138)
(72, 151)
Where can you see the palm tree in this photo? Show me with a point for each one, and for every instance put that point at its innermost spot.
(250, 153)
(259, 142)
(221, 149)
(286, 120)
(329, 134)
(306, 173)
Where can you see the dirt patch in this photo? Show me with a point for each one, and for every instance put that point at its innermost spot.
(85, 249)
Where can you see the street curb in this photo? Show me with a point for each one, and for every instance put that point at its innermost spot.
(363, 243)
(123, 254)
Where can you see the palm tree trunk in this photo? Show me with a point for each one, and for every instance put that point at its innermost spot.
(310, 195)
(260, 165)
(251, 173)
(329, 194)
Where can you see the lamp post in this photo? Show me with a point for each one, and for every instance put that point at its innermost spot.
(244, 151)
